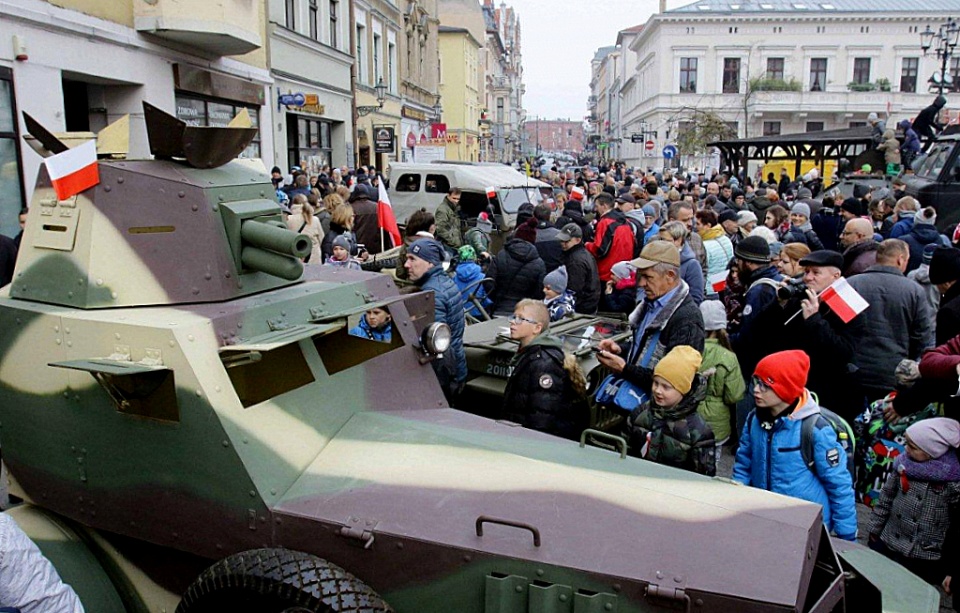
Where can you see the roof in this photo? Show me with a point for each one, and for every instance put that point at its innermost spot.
(603, 52)
(863, 133)
(817, 6)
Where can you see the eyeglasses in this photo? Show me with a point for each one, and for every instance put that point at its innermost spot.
(759, 384)
(516, 319)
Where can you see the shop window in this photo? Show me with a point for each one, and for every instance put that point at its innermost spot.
(437, 184)
(308, 143)
(195, 111)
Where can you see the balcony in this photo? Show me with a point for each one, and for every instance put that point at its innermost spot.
(220, 27)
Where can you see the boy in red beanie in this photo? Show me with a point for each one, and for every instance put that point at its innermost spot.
(769, 455)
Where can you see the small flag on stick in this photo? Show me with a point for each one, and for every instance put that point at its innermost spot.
(844, 300)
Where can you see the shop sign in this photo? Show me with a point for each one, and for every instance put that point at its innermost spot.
(412, 113)
(309, 103)
(383, 139)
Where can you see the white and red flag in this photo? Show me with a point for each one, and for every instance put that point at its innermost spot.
(385, 217)
(718, 281)
(576, 194)
(844, 300)
(491, 193)
(74, 170)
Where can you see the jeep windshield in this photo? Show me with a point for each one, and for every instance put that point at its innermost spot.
(936, 159)
(512, 197)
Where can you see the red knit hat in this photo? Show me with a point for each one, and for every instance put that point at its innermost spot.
(527, 231)
(785, 372)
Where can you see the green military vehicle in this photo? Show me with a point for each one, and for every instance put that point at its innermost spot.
(193, 428)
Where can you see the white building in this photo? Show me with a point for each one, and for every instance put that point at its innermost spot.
(776, 66)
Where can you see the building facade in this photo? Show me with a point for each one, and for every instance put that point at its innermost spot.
(310, 61)
(462, 77)
(79, 65)
(776, 66)
(419, 75)
(555, 136)
(503, 110)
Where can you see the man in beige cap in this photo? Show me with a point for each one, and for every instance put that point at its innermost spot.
(667, 318)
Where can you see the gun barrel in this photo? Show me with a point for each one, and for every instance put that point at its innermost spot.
(274, 238)
(283, 266)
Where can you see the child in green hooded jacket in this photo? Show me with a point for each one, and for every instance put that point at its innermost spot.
(725, 384)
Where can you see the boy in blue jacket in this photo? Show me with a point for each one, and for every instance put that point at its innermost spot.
(769, 455)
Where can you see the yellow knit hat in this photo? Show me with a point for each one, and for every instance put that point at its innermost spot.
(679, 367)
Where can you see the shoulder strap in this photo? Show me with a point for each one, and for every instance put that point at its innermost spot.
(654, 339)
(764, 281)
(807, 428)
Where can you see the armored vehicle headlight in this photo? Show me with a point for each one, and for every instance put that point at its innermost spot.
(436, 338)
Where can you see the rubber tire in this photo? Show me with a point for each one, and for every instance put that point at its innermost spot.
(275, 580)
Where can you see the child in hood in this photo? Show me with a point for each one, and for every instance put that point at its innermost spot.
(340, 257)
(890, 147)
(478, 236)
(725, 384)
(559, 300)
(620, 293)
(469, 272)
(667, 428)
(911, 519)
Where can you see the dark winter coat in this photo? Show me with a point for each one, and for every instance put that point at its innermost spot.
(920, 236)
(827, 223)
(539, 393)
(366, 224)
(926, 123)
(517, 272)
(758, 331)
(692, 273)
(326, 245)
(583, 279)
(858, 257)
(948, 315)
(677, 436)
(680, 323)
(8, 259)
(575, 215)
(807, 237)
(447, 308)
(899, 322)
(548, 246)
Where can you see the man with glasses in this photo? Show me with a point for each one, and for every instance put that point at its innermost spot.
(545, 391)
(768, 456)
(859, 248)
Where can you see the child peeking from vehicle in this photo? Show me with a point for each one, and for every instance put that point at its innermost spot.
(341, 255)
(468, 276)
(559, 300)
(667, 428)
(478, 236)
(912, 516)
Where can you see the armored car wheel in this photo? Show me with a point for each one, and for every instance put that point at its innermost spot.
(276, 581)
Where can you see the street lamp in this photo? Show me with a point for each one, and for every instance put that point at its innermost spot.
(943, 41)
(437, 110)
(381, 97)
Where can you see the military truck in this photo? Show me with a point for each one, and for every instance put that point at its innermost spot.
(936, 179)
(193, 428)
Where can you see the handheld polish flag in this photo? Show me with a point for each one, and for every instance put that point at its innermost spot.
(844, 300)
(385, 217)
(74, 170)
(576, 194)
(718, 281)
(491, 193)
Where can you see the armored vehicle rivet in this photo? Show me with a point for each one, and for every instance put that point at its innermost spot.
(539, 572)
(83, 479)
(66, 394)
(216, 209)
(76, 397)
(563, 597)
(119, 179)
(175, 535)
(208, 276)
(116, 335)
(199, 392)
(107, 188)
(678, 579)
(253, 494)
(190, 338)
(616, 587)
(399, 545)
(182, 194)
(99, 282)
(59, 341)
(699, 602)
(55, 328)
(79, 281)
(172, 343)
(226, 443)
(262, 194)
(69, 294)
(659, 575)
(83, 450)
(273, 492)
(195, 290)
(239, 325)
(66, 330)
(217, 388)
(113, 295)
(468, 558)
(73, 448)
(518, 589)
(608, 607)
(195, 207)
(220, 197)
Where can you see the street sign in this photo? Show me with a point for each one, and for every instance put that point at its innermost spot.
(670, 152)
(649, 145)
(636, 138)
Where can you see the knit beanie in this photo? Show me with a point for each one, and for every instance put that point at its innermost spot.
(467, 254)
(746, 217)
(801, 208)
(753, 249)
(852, 205)
(785, 372)
(484, 224)
(936, 435)
(926, 216)
(714, 315)
(622, 270)
(527, 231)
(341, 241)
(427, 250)
(679, 367)
(945, 265)
(557, 280)
(649, 211)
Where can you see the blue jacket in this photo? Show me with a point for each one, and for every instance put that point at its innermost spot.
(561, 306)
(691, 272)
(467, 273)
(448, 308)
(903, 226)
(651, 233)
(363, 330)
(771, 460)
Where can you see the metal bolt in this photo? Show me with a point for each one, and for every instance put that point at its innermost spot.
(518, 589)
(107, 188)
(119, 179)
(563, 597)
(678, 579)
(225, 443)
(659, 575)
(399, 545)
(253, 494)
(182, 194)
(539, 572)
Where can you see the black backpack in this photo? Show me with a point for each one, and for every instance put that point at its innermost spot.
(638, 232)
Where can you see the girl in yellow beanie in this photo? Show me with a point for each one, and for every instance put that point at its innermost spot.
(667, 428)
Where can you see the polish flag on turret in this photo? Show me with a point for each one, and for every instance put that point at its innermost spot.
(74, 170)
(385, 217)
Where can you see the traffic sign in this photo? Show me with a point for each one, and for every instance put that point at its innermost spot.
(649, 145)
(636, 138)
(670, 152)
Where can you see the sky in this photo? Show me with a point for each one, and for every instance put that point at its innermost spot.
(559, 39)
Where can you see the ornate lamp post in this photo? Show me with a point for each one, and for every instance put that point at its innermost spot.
(381, 96)
(943, 42)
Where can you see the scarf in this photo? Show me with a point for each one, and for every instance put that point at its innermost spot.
(713, 232)
(945, 469)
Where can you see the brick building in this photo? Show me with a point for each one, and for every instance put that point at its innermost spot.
(554, 135)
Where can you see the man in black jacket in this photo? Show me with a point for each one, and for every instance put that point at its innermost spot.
(547, 244)
(926, 125)
(667, 317)
(583, 279)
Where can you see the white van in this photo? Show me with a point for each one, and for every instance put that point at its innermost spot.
(415, 186)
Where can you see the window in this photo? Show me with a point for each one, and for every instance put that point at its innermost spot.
(818, 74)
(290, 14)
(314, 16)
(775, 68)
(408, 183)
(771, 128)
(437, 184)
(955, 72)
(688, 75)
(499, 110)
(391, 66)
(334, 25)
(308, 143)
(196, 111)
(857, 124)
(271, 374)
(861, 70)
(361, 60)
(377, 49)
(908, 74)
(731, 75)
(12, 200)
(814, 126)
